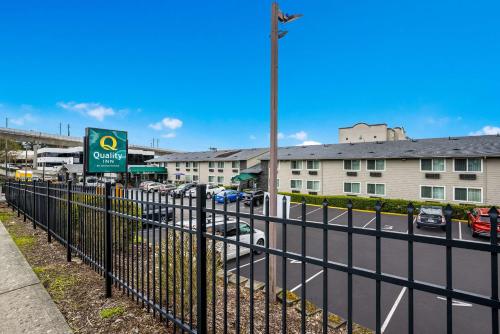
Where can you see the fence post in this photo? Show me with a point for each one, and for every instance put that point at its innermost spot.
(18, 198)
(68, 224)
(25, 206)
(47, 211)
(33, 207)
(201, 258)
(108, 243)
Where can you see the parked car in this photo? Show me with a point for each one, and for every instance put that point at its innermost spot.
(431, 216)
(166, 188)
(231, 195)
(479, 222)
(180, 190)
(153, 187)
(259, 237)
(144, 184)
(245, 232)
(157, 214)
(253, 194)
(212, 189)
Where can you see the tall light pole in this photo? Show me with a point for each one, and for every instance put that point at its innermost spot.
(6, 151)
(276, 17)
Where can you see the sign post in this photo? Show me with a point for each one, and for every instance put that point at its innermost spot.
(106, 151)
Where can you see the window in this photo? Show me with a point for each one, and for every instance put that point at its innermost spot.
(352, 187)
(469, 195)
(220, 164)
(195, 178)
(432, 165)
(313, 164)
(188, 164)
(244, 228)
(188, 178)
(296, 164)
(432, 192)
(211, 164)
(177, 164)
(352, 164)
(378, 164)
(220, 180)
(313, 185)
(468, 165)
(235, 164)
(195, 164)
(375, 189)
(296, 184)
(211, 179)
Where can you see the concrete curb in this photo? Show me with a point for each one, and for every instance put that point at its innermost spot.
(25, 305)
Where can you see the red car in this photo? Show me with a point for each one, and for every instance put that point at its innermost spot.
(479, 222)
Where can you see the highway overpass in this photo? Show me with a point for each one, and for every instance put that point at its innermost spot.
(37, 137)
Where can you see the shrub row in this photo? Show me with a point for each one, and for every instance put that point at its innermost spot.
(367, 203)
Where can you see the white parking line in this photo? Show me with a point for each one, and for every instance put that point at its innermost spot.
(460, 231)
(369, 222)
(247, 264)
(295, 205)
(307, 213)
(307, 281)
(393, 309)
(343, 213)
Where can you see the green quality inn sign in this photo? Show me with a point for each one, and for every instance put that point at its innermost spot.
(106, 151)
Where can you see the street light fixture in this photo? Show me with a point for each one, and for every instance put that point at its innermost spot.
(276, 17)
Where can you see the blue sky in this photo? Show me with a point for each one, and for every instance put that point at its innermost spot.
(196, 74)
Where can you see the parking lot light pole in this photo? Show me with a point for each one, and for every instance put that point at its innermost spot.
(276, 17)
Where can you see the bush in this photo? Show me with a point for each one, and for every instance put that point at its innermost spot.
(367, 203)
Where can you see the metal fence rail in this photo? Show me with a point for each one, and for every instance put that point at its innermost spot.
(167, 254)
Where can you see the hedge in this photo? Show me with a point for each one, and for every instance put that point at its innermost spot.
(368, 203)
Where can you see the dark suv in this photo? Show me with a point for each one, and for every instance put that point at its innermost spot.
(431, 216)
(255, 194)
(179, 192)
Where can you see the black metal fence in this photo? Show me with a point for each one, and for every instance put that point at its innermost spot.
(170, 254)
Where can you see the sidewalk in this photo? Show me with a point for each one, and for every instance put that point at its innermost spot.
(25, 306)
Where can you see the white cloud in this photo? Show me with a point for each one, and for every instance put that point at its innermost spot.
(169, 135)
(94, 110)
(281, 135)
(309, 142)
(252, 137)
(301, 135)
(171, 123)
(166, 123)
(486, 130)
(156, 126)
(26, 118)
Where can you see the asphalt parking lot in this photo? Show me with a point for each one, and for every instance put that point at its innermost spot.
(471, 272)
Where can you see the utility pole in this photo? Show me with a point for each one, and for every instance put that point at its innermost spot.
(68, 129)
(6, 151)
(60, 129)
(276, 16)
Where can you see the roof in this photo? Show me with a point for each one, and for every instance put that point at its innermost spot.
(147, 170)
(449, 147)
(222, 155)
(256, 169)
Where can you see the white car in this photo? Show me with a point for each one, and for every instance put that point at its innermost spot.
(259, 237)
(212, 189)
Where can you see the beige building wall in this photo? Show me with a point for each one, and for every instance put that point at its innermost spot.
(363, 132)
(402, 178)
(202, 171)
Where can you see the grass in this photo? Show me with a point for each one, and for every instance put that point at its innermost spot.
(24, 241)
(58, 285)
(111, 312)
(5, 216)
